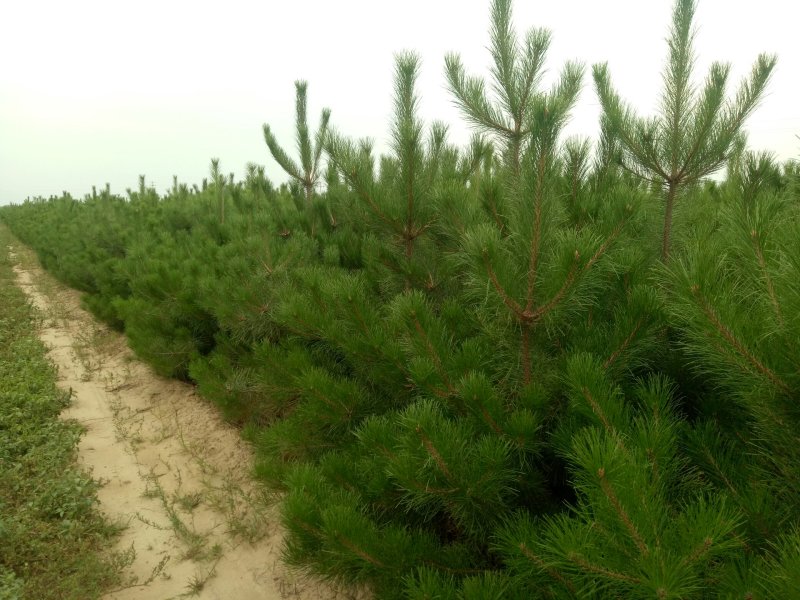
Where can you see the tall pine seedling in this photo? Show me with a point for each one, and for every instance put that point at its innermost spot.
(695, 129)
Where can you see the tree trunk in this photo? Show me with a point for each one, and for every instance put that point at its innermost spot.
(671, 193)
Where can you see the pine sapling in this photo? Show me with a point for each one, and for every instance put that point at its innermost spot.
(694, 132)
(397, 203)
(516, 73)
(306, 173)
(219, 188)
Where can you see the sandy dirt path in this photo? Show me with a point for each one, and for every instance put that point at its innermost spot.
(173, 472)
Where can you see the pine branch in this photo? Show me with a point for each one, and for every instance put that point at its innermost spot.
(280, 156)
(678, 92)
(434, 453)
(598, 411)
(750, 93)
(320, 138)
(707, 112)
(407, 136)
(541, 564)
(735, 343)
(350, 545)
(505, 55)
(624, 345)
(431, 351)
(301, 124)
(698, 552)
(536, 47)
(762, 263)
(598, 570)
(691, 138)
(559, 295)
(621, 513)
(515, 308)
(535, 243)
(470, 96)
(346, 158)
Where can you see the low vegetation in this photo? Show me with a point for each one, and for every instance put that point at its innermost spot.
(53, 541)
(521, 369)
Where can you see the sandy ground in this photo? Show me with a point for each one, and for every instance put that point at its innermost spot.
(173, 472)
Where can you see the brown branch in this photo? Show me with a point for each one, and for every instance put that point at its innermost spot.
(495, 215)
(672, 194)
(484, 119)
(533, 266)
(770, 287)
(330, 402)
(584, 564)
(428, 444)
(574, 188)
(507, 300)
(614, 355)
(623, 515)
(543, 310)
(491, 422)
(699, 551)
(431, 351)
(598, 411)
(410, 209)
(605, 245)
(384, 450)
(543, 566)
(356, 550)
(653, 166)
(720, 473)
(727, 334)
(526, 351)
(683, 172)
(370, 202)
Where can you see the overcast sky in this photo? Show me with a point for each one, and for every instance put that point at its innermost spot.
(102, 91)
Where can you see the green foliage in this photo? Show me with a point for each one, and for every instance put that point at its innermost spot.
(695, 130)
(736, 301)
(516, 73)
(467, 371)
(642, 526)
(308, 171)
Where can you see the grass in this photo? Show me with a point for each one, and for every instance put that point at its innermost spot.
(53, 541)
(246, 511)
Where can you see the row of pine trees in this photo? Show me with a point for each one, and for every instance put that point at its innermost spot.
(527, 368)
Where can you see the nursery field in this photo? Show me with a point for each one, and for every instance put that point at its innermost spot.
(172, 477)
(529, 368)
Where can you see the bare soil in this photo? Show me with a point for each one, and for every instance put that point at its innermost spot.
(174, 474)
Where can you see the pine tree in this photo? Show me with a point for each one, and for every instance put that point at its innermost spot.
(307, 173)
(444, 436)
(692, 136)
(399, 202)
(734, 300)
(556, 271)
(218, 181)
(516, 73)
(477, 380)
(642, 526)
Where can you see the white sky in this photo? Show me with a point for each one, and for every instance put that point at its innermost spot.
(102, 91)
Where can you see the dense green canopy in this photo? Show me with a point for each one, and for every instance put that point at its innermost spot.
(494, 372)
